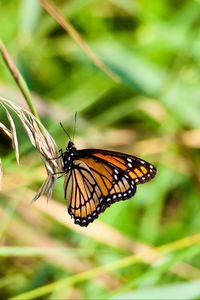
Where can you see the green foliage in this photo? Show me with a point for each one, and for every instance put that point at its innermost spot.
(136, 249)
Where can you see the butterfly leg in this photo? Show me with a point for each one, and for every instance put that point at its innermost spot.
(54, 158)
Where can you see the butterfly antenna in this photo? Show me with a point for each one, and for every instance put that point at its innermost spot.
(75, 121)
(65, 131)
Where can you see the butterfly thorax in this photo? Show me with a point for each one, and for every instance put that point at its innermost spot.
(69, 156)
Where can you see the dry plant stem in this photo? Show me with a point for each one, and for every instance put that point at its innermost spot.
(117, 265)
(18, 79)
(67, 26)
(107, 235)
(13, 134)
(40, 139)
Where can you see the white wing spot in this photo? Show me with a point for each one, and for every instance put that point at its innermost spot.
(116, 171)
(101, 200)
(129, 160)
(116, 177)
(130, 165)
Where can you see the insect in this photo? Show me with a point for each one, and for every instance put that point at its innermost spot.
(95, 179)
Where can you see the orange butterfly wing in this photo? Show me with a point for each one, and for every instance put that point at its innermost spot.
(114, 183)
(83, 194)
(137, 169)
(99, 178)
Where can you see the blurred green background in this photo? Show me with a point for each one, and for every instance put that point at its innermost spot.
(149, 246)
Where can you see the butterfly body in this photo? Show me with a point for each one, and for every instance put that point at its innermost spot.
(97, 178)
(69, 156)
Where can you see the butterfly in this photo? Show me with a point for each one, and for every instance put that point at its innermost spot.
(95, 179)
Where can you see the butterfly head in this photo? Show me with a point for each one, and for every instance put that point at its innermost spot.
(70, 147)
(69, 156)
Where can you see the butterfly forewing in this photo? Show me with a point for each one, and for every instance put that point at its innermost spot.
(115, 184)
(138, 170)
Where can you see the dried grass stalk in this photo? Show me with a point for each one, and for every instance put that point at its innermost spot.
(13, 134)
(40, 139)
(67, 26)
(6, 130)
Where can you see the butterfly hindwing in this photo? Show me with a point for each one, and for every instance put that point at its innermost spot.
(83, 194)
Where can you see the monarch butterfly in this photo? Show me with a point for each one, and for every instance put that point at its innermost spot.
(94, 179)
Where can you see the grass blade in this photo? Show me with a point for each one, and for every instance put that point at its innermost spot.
(66, 25)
